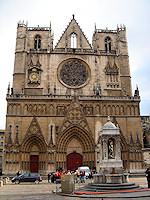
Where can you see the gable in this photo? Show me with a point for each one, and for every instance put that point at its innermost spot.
(73, 29)
(75, 116)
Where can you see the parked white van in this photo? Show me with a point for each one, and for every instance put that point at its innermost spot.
(86, 169)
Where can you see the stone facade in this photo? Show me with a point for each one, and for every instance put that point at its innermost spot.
(61, 98)
(2, 143)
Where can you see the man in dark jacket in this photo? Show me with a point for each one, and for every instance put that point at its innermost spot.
(148, 176)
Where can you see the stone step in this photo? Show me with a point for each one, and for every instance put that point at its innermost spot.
(102, 187)
(110, 184)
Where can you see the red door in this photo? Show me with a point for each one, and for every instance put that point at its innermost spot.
(34, 160)
(74, 160)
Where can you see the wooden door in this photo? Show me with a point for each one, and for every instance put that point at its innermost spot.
(74, 160)
(34, 161)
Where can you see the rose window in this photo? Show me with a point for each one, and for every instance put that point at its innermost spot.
(73, 73)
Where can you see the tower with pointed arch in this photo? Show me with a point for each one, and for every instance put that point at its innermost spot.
(61, 97)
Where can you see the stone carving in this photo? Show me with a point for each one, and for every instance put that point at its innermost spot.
(110, 149)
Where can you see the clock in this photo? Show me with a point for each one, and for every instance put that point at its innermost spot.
(34, 77)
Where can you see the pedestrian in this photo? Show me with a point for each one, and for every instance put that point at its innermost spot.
(49, 174)
(148, 176)
(53, 178)
(18, 173)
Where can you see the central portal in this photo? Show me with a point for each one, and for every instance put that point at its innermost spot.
(74, 160)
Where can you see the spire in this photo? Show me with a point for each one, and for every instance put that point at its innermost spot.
(95, 27)
(50, 26)
(50, 30)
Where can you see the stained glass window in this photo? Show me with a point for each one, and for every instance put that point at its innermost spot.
(74, 73)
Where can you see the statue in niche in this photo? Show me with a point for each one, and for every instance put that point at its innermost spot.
(110, 149)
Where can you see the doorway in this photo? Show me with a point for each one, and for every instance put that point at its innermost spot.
(74, 160)
(34, 160)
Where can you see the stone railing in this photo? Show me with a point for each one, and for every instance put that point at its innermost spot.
(70, 97)
(83, 51)
(38, 28)
(38, 50)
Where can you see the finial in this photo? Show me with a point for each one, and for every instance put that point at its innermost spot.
(50, 26)
(136, 93)
(8, 89)
(108, 120)
(53, 35)
(95, 27)
(73, 16)
(27, 23)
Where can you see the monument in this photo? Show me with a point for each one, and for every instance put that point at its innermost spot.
(111, 165)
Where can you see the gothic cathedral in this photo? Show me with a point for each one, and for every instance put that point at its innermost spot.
(61, 98)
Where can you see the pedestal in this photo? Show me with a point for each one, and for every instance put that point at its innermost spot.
(98, 178)
(114, 178)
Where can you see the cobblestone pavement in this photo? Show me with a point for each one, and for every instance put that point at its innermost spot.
(47, 191)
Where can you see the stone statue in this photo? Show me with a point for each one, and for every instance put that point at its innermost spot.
(110, 149)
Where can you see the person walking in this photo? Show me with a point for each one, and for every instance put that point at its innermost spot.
(49, 174)
(148, 176)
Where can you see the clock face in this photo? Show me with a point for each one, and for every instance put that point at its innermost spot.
(34, 77)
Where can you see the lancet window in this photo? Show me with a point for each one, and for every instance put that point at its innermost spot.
(73, 40)
(37, 42)
(107, 44)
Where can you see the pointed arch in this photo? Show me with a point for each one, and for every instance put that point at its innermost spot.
(121, 110)
(73, 40)
(37, 42)
(85, 140)
(32, 140)
(104, 110)
(117, 110)
(109, 110)
(107, 44)
(79, 133)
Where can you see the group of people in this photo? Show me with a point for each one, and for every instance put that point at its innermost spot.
(79, 175)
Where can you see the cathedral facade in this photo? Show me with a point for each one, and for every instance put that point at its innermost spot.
(61, 98)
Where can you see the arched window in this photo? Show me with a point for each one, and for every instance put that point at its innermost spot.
(73, 40)
(107, 44)
(37, 42)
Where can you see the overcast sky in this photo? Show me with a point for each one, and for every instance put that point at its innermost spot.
(135, 14)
